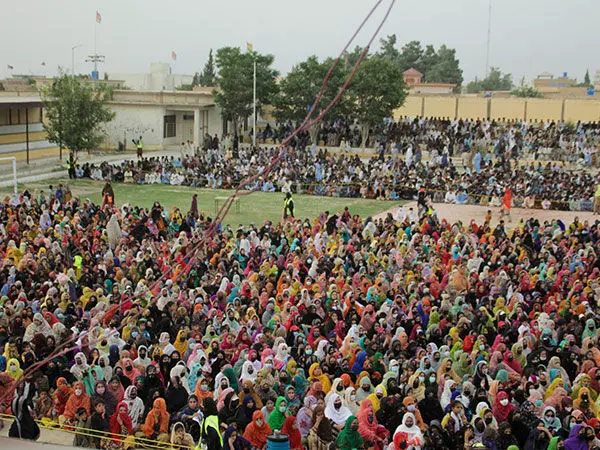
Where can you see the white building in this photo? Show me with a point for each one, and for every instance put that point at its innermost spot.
(163, 119)
(159, 78)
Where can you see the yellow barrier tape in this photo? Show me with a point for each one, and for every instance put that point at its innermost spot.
(73, 429)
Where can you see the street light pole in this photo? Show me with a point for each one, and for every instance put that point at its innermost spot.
(73, 58)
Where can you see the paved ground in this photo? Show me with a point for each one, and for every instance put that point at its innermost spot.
(51, 439)
(466, 213)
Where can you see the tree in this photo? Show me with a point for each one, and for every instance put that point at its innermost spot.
(439, 66)
(235, 82)
(298, 90)
(494, 81)
(209, 75)
(526, 91)
(586, 79)
(351, 58)
(1, 86)
(388, 49)
(376, 91)
(446, 69)
(76, 112)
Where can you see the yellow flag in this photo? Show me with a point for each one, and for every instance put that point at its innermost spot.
(249, 47)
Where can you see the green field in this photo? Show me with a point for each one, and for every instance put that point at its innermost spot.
(256, 207)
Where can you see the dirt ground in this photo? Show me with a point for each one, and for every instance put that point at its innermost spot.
(465, 213)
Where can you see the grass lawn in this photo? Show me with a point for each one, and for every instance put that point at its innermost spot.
(256, 207)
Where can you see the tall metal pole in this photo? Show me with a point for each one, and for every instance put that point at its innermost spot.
(95, 52)
(254, 108)
(73, 58)
(489, 40)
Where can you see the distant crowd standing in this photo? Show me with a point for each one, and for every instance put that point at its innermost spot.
(537, 139)
(340, 332)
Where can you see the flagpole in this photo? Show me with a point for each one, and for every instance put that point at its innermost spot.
(254, 108)
(95, 51)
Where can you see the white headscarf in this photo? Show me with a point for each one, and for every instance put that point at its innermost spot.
(113, 231)
(337, 416)
(246, 375)
(415, 437)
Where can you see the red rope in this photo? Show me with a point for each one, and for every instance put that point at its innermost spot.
(239, 191)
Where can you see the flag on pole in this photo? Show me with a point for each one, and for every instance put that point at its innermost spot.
(173, 55)
(249, 46)
(9, 67)
(98, 17)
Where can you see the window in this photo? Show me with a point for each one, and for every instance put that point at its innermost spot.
(169, 127)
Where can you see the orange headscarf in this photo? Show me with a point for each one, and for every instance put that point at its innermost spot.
(158, 414)
(257, 436)
(78, 401)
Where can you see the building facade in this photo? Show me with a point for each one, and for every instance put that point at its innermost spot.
(163, 119)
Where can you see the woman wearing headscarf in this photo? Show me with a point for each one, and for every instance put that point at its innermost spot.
(349, 437)
(39, 325)
(180, 440)
(290, 428)
(246, 412)
(232, 440)
(277, 417)
(176, 396)
(337, 412)
(257, 431)
(369, 428)
(502, 407)
(156, 425)
(315, 371)
(410, 433)
(23, 426)
(113, 232)
(102, 393)
(135, 406)
(80, 368)
(60, 396)
(121, 425)
(79, 399)
(14, 368)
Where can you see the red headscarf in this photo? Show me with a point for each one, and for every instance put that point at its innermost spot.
(500, 411)
(291, 429)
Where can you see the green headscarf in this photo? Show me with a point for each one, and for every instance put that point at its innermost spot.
(233, 383)
(349, 439)
(502, 375)
(554, 443)
(276, 418)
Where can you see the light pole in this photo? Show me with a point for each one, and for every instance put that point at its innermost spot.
(489, 39)
(73, 58)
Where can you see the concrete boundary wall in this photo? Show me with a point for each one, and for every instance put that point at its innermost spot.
(511, 108)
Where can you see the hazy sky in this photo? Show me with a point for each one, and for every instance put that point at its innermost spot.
(528, 36)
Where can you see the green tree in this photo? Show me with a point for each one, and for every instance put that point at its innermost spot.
(412, 56)
(76, 112)
(494, 81)
(298, 90)
(388, 49)
(351, 58)
(209, 75)
(526, 91)
(446, 69)
(437, 66)
(235, 83)
(1, 86)
(586, 79)
(375, 92)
